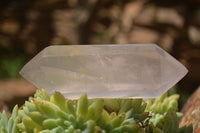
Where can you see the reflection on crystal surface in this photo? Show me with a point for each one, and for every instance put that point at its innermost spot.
(125, 70)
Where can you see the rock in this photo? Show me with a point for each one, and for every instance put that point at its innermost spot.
(64, 27)
(131, 10)
(146, 16)
(114, 12)
(194, 35)
(191, 112)
(121, 38)
(143, 35)
(10, 89)
(166, 42)
(169, 16)
(10, 27)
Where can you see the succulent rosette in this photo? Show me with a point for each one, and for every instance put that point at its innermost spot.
(55, 114)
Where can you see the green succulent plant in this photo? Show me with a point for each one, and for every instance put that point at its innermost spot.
(55, 114)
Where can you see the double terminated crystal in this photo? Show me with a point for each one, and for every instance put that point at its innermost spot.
(108, 71)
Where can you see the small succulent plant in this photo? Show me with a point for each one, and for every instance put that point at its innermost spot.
(55, 114)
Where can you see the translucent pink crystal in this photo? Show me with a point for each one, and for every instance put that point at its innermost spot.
(107, 71)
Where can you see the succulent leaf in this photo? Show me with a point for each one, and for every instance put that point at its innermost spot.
(55, 114)
(82, 106)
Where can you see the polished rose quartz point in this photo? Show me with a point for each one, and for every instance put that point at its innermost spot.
(104, 71)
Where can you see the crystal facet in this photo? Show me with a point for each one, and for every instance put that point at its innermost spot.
(107, 71)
